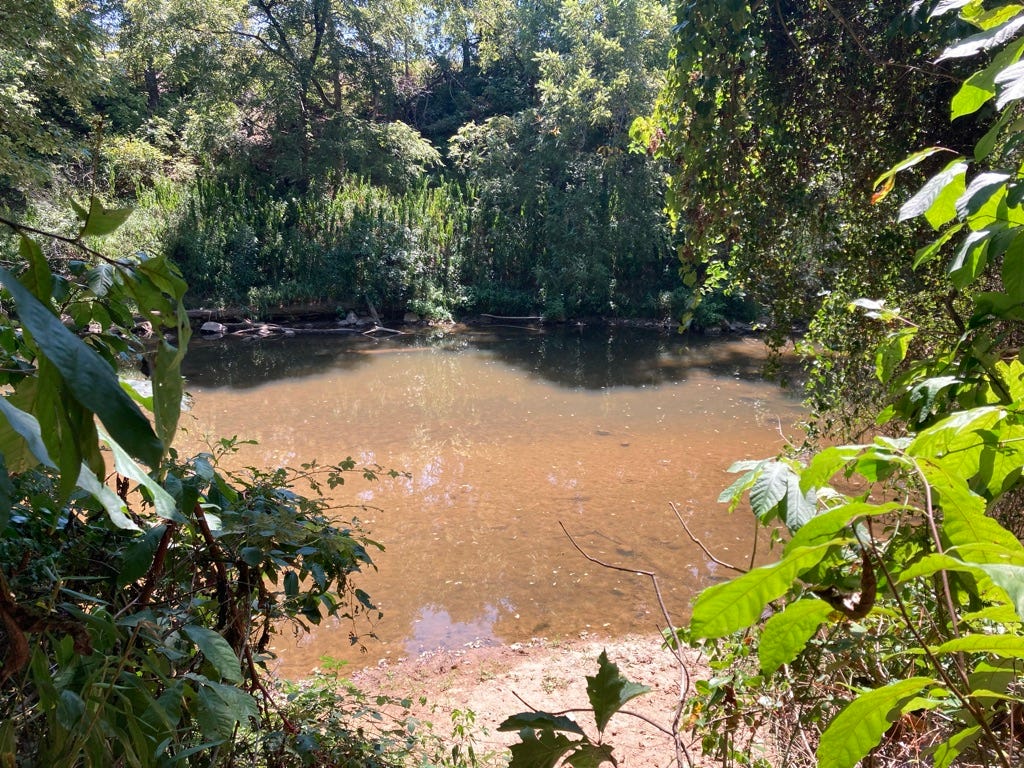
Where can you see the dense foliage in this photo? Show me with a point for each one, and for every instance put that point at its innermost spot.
(428, 156)
(135, 617)
(888, 627)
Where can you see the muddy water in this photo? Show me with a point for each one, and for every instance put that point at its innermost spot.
(507, 436)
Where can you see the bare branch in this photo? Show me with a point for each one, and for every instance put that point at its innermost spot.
(699, 543)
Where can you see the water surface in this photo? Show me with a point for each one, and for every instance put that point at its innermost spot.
(508, 435)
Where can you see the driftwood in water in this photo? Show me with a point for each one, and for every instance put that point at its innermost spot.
(504, 319)
(377, 328)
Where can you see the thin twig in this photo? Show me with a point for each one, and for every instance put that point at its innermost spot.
(684, 675)
(699, 543)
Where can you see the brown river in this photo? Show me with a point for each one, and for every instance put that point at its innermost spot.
(507, 435)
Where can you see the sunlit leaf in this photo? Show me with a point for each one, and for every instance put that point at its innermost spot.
(983, 41)
(102, 221)
(948, 751)
(730, 606)
(1004, 646)
(936, 200)
(786, 633)
(164, 504)
(89, 378)
(859, 727)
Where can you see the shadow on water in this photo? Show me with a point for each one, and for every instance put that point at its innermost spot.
(574, 358)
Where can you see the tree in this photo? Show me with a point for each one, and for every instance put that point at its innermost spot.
(47, 74)
(907, 592)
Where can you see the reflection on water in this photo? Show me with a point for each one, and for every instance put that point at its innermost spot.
(567, 356)
(506, 435)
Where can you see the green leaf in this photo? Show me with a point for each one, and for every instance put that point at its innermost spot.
(949, 750)
(163, 502)
(1013, 269)
(542, 752)
(37, 277)
(980, 191)
(769, 488)
(826, 463)
(102, 221)
(737, 604)
(540, 721)
(980, 87)
(89, 379)
(25, 426)
(945, 6)
(786, 633)
(936, 200)
(291, 584)
(927, 253)
(908, 162)
(983, 41)
(830, 525)
(1004, 646)
(220, 708)
(859, 727)
(589, 755)
(1011, 82)
(1009, 578)
(608, 691)
(112, 503)
(70, 709)
(138, 556)
(892, 352)
(216, 650)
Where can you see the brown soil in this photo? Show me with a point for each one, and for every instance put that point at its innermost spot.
(496, 682)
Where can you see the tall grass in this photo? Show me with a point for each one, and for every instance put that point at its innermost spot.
(239, 244)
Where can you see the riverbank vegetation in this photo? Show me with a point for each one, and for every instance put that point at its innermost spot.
(427, 157)
(886, 627)
(495, 156)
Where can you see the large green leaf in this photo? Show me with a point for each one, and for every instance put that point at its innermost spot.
(540, 721)
(608, 691)
(37, 277)
(734, 605)
(589, 755)
(1011, 82)
(981, 86)
(945, 6)
(786, 633)
(829, 525)
(88, 377)
(216, 650)
(116, 509)
(163, 502)
(824, 465)
(24, 433)
(100, 221)
(949, 750)
(539, 749)
(221, 708)
(1004, 646)
(860, 726)
(983, 41)
(980, 191)
(157, 287)
(936, 200)
(138, 556)
(769, 488)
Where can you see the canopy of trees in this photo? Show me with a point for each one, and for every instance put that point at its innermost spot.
(434, 156)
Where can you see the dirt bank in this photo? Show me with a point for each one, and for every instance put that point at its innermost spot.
(494, 683)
